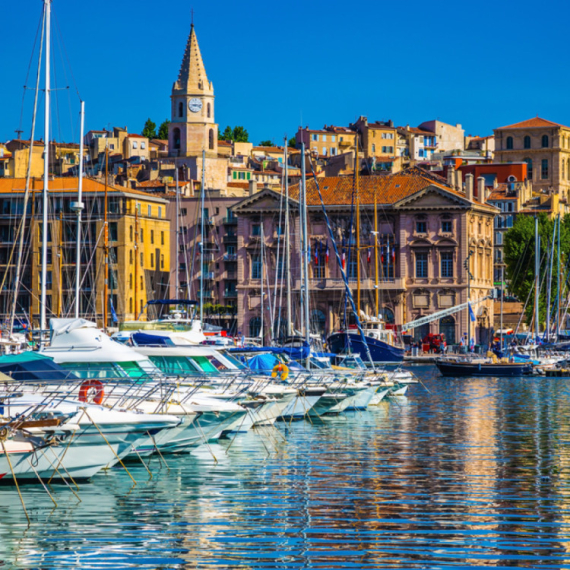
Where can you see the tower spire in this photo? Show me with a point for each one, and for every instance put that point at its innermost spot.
(192, 75)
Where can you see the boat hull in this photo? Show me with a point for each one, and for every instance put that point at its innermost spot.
(466, 369)
(380, 351)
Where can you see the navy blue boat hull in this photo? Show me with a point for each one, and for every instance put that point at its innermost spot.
(379, 350)
(477, 369)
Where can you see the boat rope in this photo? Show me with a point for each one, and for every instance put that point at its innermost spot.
(15, 479)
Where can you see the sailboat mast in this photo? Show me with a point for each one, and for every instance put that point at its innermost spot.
(202, 199)
(558, 280)
(78, 207)
(287, 249)
(262, 306)
(177, 252)
(106, 243)
(43, 296)
(536, 277)
(357, 180)
(304, 236)
(376, 288)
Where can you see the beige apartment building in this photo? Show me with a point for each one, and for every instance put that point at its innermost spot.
(378, 144)
(544, 146)
(328, 141)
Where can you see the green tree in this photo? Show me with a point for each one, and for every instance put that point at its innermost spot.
(149, 130)
(292, 142)
(266, 143)
(163, 130)
(240, 135)
(227, 135)
(519, 259)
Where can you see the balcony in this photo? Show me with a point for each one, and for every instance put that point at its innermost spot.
(230, 294)
(230, 239)
(207, 221)
(210, 275)
(206, 294)
(230, 256)
(230, 274)
(332, 283)
(231, 221)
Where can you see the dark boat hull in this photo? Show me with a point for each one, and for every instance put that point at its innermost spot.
(379, 350)
(480, 369)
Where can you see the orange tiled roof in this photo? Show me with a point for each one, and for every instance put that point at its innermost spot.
(530, 123)
(155, 184)
(337, 190)
(136, 137)
(244, 185)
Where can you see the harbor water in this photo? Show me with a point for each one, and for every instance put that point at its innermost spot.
(460, 473)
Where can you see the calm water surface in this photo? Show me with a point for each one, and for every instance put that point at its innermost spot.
(474, 473)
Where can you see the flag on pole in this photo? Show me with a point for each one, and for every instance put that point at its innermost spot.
(317, 253)
(369, 256)
(327, 253)
(382, 253)
(471, 313)
(113, 313)
(393, 254)
(343, 259)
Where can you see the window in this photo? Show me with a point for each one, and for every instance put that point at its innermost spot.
(142, 283)
(315, 138)
(149, 210)
(142, 260)
(528, 168)
(421, 227)
(256, 266)
(447, 264)
(113, 231)
(176, 137)
(152, 260)
(544, 169)
(143, 145)
(160, 211)
(142, 235)
(352, 267)
(256, 230)
(211, 139)
(254, 327)
(181, 109)
(135, 144)
(509, 143)
(131, 233)
(184, 211)
(333, 138)
(373, 148)
(498, 238)
(421, 265)
(130, 305)
(231, 249)
(563, 169)
(131, 256)
(151, 236)
(162, 261)
(527, 142)
(324, 150)
(544, 141)
(509, 207)
(209, 113)
(568, 171)
(161, 238)
(324, 139)
(111, 146)
(131, 281)
(446, 226)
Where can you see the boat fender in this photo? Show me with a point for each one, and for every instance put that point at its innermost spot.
(280, 370)
(86, 396)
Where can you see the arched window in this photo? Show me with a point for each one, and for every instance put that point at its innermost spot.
(544, 169)
(447, 327)
(254, 326)
(131, 281)
(131, 233)
(568, 171)
(544, 141)
(131, 256)
(211, 136)
(509, 143)
(181, 109)
(528, 168)
(209, 107)
(130, 305)
(512, 178)
(142, 284)
(527, 142)
(563, 169)
(176, 134)
(318, 321)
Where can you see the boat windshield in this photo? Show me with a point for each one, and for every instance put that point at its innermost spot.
(319, 363)
(233, 360)
(210, 364)
(178, 365)
(95, 369)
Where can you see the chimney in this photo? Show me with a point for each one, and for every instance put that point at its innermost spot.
(469, 187)
(481, 189)
(459, 180)
(450, 176)
(252, 187)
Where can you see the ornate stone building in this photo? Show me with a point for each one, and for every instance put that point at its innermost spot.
(544, 146)
(193, 128)
(425, 232)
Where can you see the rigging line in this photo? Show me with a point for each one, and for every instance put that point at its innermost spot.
(54, 15)
(56, 115)
(40, 26)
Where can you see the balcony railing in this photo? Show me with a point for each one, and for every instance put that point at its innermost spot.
(209, 275)
(231, 221)
(230, 294)
(230, 239)
(230, 256)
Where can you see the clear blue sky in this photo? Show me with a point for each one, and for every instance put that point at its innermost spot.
(481, 65)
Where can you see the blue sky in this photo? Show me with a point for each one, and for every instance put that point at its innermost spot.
(276, 66)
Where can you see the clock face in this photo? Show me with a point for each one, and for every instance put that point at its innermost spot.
(195, 105)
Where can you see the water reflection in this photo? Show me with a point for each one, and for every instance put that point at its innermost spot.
(474, 473)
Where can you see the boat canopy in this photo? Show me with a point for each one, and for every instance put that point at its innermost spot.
(33, 366)
(296, 353)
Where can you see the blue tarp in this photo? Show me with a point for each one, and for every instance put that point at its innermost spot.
(263, 363)
(143, 339)
(292, 352)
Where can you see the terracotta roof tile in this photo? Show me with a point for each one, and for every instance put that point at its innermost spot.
(530, 123)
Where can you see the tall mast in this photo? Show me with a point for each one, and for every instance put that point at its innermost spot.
(305, 239)
(43, 297)
(262, 305)
(287, 249)
(177, 252)
(376, 288)
(136, 248)
(549, 287)
(106, 244)
(78, 207)
(202, 198)
(356, 170)
(558, 280)
(536, 277)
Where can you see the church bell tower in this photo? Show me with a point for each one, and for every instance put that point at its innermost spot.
(192, 128)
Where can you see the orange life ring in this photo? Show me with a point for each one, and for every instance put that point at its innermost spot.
(88, 385)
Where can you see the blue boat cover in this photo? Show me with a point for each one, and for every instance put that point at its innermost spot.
(296, 353)
(143, 339)
(33, 366)
(263, 363)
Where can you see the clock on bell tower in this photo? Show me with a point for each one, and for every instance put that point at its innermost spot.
(192, 128)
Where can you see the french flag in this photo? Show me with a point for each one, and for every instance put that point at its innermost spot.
(369, 258)
(327, 254)
(393, 253)
(317, 253)
(343, 259)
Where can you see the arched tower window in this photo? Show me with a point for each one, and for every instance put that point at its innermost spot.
(181, 109)
(209, 111)
(528, 168)
(527, 142)
(509, 143)
(568, 171)
(211, 136)
(176, 134)
(544, 141)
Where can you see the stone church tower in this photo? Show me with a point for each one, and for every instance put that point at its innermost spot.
(193, 128)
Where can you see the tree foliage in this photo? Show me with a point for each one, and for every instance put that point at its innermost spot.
(236, 134)
(149, 130)
(266, 143)
(163, 130)
(519, 260)
(292, 142)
